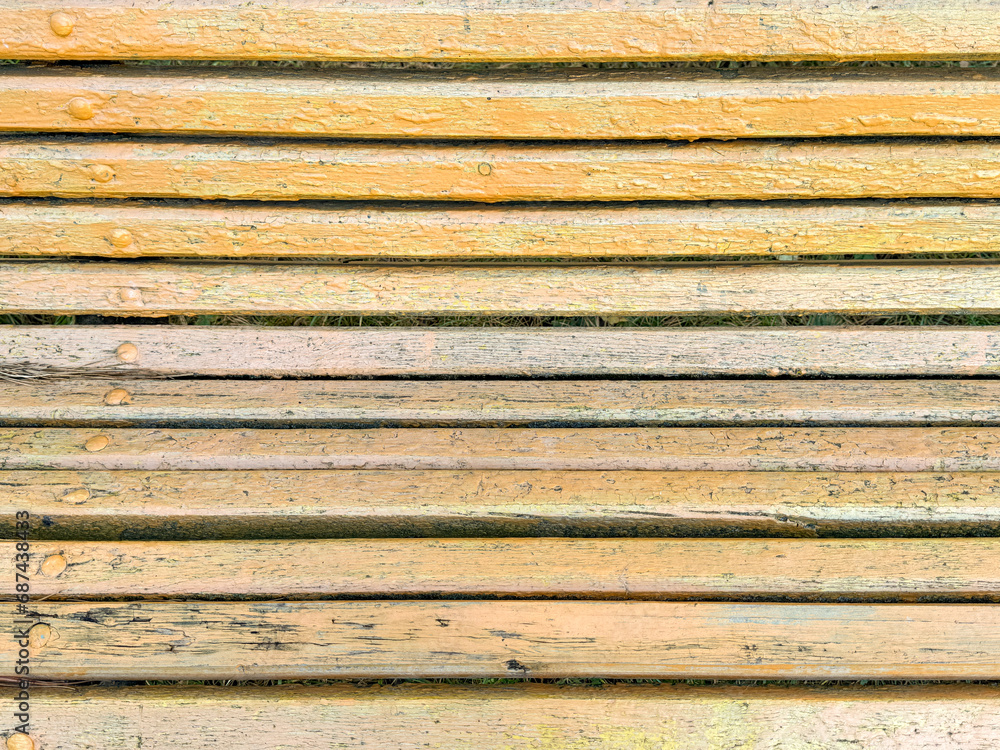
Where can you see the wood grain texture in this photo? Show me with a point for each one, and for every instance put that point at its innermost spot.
(159, 289)
(918, 717)
(539, 352)
(350, 230)
(676, 569)
(200, 640)
(593, 403)
(490, 172)
(524, 30)
(200, 505)
(595, 449)
(568, 103)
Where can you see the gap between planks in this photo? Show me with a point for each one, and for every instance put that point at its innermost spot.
(200, 640)
(205, 505)
(552, 104)
(499, 351)
(597, 449)
(897, 570)
(437, 403)
(491, 172)
(508, 31)
(636, 230)
(498, 717)
(161, 289)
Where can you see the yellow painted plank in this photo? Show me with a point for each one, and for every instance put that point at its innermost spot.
(122, 402)
(644, 230)
(568, 103)
(512, 30)
(441, 717)
(574, 449)
(94, 167)
(945, 351)
(674, 569)
(201, 640)
(350, 230)
(160, 289)
(177, 504)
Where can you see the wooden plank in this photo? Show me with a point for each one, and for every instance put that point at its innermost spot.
(172, 505)
(568, 103)
(675, 569)
(490, 172)
(201, 640)
(349, 230)
(518, 30)
(592, 403)
(159, 289)
(539, 351)
(498, 717)
(594, 449)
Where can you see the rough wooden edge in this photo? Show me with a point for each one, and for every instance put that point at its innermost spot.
(498, 717)
(201, 640)
(486, 30)
(528, 352)
(576, 104)
(111, 401)
(159, 289)
(349, 230)
(569, 449)
(492, 171)
(893, 570)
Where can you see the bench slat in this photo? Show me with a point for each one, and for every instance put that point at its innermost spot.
(199, 640)
(372, 503)
(578, 104)
(409, 403)
(523, 30)
(88, 167)
(919, 717)
(540, 351)
(731, 569)
(596, 449)
(171, 505)
(160, 289)
(136, 229)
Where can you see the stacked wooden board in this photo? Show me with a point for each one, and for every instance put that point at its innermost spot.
(428, 468)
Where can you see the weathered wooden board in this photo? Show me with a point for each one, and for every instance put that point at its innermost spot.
(539, 351)
(478, 448)
(200, 640)
(518, 30)
(568, 103)
(350, 230)
(441, 717)
(159, 289)
(595, 403)
(484, 171)
(173, 505)
(731, 569)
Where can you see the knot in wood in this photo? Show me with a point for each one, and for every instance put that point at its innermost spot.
(117, 397)
(120, 237)
(80, 108)
(39, 635)
(102, 172)
(127, 352)
(61, 23)
(21, 741)
(77, 496)
(52, 566)
(97, 443)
